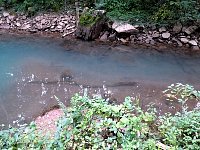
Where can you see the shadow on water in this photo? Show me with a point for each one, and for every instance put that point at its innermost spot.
(34, 69)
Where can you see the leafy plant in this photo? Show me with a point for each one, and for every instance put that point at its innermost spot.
(94, 123)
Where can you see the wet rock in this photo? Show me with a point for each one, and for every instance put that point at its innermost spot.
(184, 40)
(123, 40)
(104, 37)
(193, 43)
(112, 37)
(177, 27)
(162, 29)
(190, 29)
(166, 35)
(196, 48)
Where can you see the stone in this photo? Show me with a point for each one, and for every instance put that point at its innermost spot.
(104, 37)
(166, 35)
(193, 43)
(91, 31)
(112, 37)
(177, 27)
(38, 18)
(124, 28)
(184, 40)
(59, 27)
(155, 35)
(18, 24)
(191, 29)
(43, 21)
(5, 26)
(177, 41)
(162, 29)
(26, 27)
(123, 40)
(11, 17)
(5, 14)
(196, 48)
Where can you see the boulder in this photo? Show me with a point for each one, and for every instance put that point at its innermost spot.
(90, 26)
(124, 28)
(193, 43)
(190, 29)
(166, 35)
(184, 40)
(177, 27)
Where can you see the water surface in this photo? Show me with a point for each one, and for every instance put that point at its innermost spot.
(31, 68)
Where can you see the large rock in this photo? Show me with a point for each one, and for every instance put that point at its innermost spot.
(190, 29)
(92, 29)
(124, 28)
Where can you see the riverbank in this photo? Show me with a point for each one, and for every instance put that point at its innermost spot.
(179, 38)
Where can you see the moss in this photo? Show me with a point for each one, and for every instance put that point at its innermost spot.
(88, 19)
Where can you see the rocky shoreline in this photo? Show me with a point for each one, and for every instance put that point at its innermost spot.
(64, 25)
(176, 36)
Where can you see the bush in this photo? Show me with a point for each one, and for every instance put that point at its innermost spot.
(93, 123)
(153, 11)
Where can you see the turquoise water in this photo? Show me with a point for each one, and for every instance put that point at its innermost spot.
(30, 58)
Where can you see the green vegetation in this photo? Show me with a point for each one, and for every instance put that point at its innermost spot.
(153, 11)
(93, 123)
(134, 11)
(88, 19)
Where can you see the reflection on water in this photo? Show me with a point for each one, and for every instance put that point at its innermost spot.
(33, 70)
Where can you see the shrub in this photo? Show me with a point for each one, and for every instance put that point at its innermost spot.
(93, 123)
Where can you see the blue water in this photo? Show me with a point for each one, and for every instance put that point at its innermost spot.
(29, 58)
